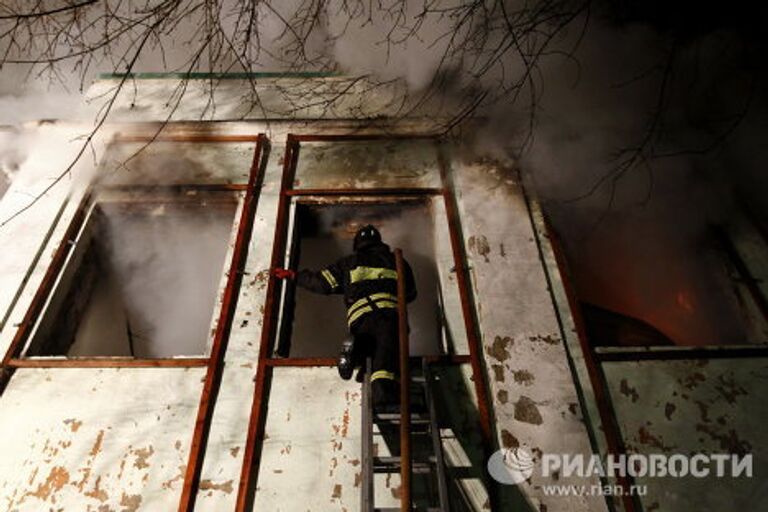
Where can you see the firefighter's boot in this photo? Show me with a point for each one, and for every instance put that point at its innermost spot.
(346, 360)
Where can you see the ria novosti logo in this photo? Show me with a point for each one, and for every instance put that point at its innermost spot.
(516, 465)
(511, 466)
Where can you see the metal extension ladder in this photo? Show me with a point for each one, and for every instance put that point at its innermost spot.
(429, 465)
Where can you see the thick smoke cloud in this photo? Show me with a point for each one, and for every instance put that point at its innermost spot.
(641, 243)
(638, 244)
(638, 237)
(166, 248)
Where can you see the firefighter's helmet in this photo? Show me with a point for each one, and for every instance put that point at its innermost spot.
(366, 235)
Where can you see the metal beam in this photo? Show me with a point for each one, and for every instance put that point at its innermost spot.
(43, 291)
(608, 354)
(321, 192)
(181, 137)
(302, 361)
(405, 387)
(610, 424)
(467, 305)
(110, 362)
(223, 328)
(362, 137)
(256, 424)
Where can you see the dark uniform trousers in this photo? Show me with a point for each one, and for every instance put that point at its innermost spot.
(376, 336)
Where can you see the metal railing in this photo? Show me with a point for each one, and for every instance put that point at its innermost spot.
(405, 387)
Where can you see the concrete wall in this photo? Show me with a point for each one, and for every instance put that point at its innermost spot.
(309, 459)
(694, 406)
(96, 439)
(535, 400)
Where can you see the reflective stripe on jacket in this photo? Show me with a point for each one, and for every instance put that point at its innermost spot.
(366, 278)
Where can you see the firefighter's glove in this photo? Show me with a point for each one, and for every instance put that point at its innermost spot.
(284, 273)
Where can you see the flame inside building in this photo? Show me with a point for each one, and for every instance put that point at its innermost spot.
(691, 294)
(151, 361)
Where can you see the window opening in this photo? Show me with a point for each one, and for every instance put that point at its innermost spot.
(697, 297)
(143, 280)
(314, 325)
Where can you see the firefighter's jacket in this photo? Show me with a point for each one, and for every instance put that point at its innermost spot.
(366, 278)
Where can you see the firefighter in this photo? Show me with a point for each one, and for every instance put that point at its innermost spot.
(368, 280)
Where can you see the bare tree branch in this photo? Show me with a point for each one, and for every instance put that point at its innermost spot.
(483, 54)
(51, 12)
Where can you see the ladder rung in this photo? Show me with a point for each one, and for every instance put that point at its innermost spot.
(416, 509)
(394, 417)
(386, 460)
(392, 465)
(416, 469)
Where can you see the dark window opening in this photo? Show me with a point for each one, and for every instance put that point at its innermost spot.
(142, 282)
(314, 325)
(634, 290)
(609, 328)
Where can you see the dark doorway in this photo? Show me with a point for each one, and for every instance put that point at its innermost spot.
(314, 325)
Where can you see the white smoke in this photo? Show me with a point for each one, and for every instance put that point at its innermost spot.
(589, 103)
(167, 263)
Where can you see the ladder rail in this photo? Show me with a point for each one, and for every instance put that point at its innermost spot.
(403, 462)
(433, 465)
(366, 491)
(405, 383)
(437, 443)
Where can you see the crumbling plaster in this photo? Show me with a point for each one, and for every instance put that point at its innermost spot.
(534, 398)
(535, 401)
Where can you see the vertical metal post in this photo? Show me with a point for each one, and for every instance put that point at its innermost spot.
(437, 441)
(366, 492)
(215, 371)
(608, 418)
(468, 309)
(256, 424)
(65, 248)
(405, 388)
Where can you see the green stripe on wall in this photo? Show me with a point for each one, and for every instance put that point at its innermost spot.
(220, 76)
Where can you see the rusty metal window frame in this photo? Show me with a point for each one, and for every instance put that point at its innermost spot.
(215, 367)
(286, 308)
(128, 198)
(214, 362)
(267, 361)
(14, 358)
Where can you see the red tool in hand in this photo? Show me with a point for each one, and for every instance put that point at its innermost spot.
(284, 273)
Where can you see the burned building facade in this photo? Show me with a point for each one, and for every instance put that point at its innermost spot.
(151, 362)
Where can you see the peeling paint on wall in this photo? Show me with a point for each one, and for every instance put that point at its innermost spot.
(118, 439)
(108, 439)
(317, 453)
(534, 400)
(695, 406)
